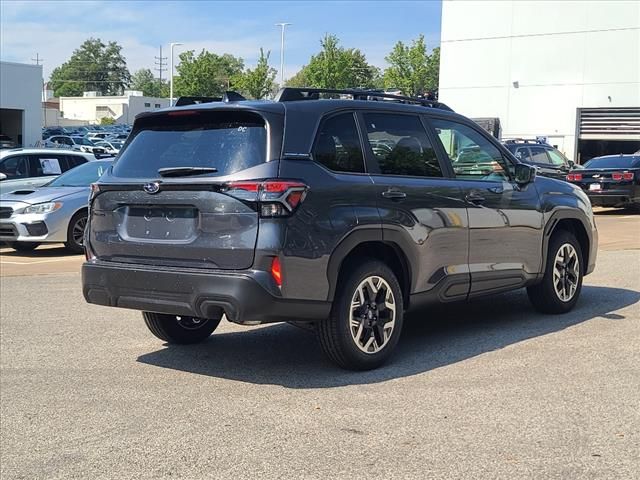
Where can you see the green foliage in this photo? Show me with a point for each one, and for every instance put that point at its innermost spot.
(150, 86)
(412, 69)
(260, 82)
(206, 74)
(336, 67)
(94, 66)
(107, 121)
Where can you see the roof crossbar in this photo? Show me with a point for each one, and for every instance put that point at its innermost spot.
(289, 94)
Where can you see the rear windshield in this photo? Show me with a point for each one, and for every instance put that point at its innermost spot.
(613, 162)
(227, 141)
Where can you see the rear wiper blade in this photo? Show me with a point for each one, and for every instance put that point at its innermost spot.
(185, 171)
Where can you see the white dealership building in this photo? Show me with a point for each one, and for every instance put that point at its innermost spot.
(20, 102)
(93, 107)
(565, 70)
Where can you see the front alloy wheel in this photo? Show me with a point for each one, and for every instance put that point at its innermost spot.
(559, 289)
(566, 272)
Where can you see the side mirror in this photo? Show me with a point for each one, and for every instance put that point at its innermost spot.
(3, 176)
(572, 164)
(525, 173)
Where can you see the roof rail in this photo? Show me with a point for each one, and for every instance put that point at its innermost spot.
(289, 94)
(228, 96)
(525, 140)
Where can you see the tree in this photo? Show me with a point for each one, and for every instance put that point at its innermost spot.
(336, 67)
(144, 81)
(411, 68)
(207, 74)
(94, 66)
(259, 82)
(107, 121)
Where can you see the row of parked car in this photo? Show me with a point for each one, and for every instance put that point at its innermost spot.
(32, 181)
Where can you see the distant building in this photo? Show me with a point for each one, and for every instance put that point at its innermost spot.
(565, 70)
(20, 102)
(93, 107)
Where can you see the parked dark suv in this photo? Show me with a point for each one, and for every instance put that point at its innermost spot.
(548, 160)
(339, 213)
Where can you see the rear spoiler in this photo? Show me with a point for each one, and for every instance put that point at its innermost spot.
(227, 97)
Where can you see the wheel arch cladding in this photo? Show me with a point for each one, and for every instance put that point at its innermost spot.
(388, 253)
(576, 227)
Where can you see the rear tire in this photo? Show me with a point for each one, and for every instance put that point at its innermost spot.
(180, 329)
(366, 318)
(24, 246)
(560, 287)
(76, 227)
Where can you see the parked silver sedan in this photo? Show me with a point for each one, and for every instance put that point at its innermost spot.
(53, 213)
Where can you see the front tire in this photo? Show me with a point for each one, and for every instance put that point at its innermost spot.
(366, 318)
(562, 282)
(180, 329)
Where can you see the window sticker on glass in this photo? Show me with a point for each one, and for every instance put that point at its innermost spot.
(50, 166)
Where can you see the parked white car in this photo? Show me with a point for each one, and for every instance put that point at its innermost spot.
(113, 146)
(81, 144)
(28, 168)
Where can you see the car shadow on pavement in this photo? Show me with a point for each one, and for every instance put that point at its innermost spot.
(291, 357)
(40, 252)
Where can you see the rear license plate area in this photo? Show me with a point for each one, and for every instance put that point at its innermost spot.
(170, 224)
(594, 187)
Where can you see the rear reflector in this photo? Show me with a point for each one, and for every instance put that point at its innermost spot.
(276, 271)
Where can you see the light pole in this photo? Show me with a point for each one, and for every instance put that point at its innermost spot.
(171, 73)
(282, 26)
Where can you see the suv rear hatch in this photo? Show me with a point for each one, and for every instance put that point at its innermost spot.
(165, 201)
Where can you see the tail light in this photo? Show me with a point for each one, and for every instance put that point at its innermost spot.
(275, 198)
(574, 177)
(627, 176)
(276, 271)
(616, 176)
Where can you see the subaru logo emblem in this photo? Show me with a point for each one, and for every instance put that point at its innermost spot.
(151, 188)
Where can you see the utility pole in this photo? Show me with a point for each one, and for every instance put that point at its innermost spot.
(283, 26)
(171, 47)
(44, 91)
(161, 62)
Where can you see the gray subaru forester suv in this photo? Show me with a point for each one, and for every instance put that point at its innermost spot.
(339, 209)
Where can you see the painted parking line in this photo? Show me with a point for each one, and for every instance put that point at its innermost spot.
(37, 261)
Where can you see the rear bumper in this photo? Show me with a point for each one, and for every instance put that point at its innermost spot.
(612, 198)
(244, 297)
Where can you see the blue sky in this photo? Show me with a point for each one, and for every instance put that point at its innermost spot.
(53, 29)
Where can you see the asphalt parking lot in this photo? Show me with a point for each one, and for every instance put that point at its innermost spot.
(488, 389)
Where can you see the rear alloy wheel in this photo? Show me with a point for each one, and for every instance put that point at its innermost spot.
(75, 233)
(24, 246)
(180, 329)
(366, 318)
(560, 287)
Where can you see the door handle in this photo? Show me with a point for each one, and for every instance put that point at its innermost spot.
(394, 194)
(474, 198)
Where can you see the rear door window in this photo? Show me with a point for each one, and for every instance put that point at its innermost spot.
(401, 146)
(522, 154)
(337, 145)
(224, 140)
(539, 155)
